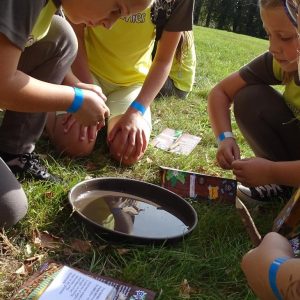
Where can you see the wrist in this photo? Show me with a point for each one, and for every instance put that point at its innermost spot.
(77, 101)
(273, 275)
(224, 135)
(136, 105)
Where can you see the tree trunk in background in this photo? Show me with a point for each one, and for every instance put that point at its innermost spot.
(210, 10)
(237, 16)
(252, 15)
(197, 11)
(224, 15)
(241, 16)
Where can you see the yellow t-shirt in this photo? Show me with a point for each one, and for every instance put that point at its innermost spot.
(183, 73)
(42, 25)
(291, 93)
(110, 55)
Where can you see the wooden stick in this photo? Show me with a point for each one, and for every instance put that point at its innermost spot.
(248, 222)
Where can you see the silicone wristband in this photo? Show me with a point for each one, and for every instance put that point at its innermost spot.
(77, 102)
(273, 270)
(224, 135)
(139, 107)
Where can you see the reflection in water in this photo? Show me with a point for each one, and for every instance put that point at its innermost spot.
(129, 214)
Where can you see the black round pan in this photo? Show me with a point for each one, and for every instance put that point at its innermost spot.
(155, 214)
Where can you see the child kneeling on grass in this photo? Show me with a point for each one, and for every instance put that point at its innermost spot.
(37, 49)
(268, 120)
(271, 269)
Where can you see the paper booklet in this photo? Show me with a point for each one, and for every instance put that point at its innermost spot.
(176, 141)
(55, 281)
(287, 222)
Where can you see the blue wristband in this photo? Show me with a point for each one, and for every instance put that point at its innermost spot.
(224, 135)
(77, 102)
(273, 274)
(139, 107)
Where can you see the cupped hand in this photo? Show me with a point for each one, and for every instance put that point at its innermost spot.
(128, 138)
(93, 110)
(228, 151)
(253, 171)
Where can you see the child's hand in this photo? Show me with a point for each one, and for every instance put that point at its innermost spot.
(228, 151)
(127, 139)
(85, 133)
(254, 171)
(93, 110)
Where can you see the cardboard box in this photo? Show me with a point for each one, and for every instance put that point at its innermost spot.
(198, 186)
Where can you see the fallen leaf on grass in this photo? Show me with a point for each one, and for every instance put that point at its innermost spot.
(6, 246)
(27, 265)
(185, 290)
(80, 245)
(49, 194)
(149, 160)
(28, 250)
(46, 240)
(122, 251)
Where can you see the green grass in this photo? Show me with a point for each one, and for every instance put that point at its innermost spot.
(209, 259)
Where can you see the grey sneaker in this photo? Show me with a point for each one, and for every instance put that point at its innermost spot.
(28, 165)
(263, 194)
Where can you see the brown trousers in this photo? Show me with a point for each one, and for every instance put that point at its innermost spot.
(266, 122)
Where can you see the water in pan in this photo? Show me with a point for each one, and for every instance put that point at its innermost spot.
(129, 214)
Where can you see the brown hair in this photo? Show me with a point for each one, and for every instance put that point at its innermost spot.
(266, 4)
(185, 42)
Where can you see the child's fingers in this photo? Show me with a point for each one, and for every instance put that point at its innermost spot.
(69, 124)
(131, 142)
(112, 134)
(92, 133)
(83, 133)
(236, 153)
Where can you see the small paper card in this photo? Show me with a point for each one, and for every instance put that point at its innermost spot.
(175, 141)
(198, 186)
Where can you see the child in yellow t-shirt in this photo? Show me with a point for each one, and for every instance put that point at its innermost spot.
(182, 74)
(120, 61)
